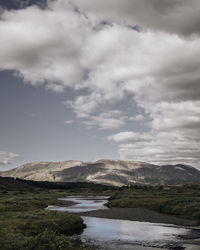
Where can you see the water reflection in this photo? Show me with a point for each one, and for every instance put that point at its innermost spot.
(112, 233)
(124, 230)
(83, 204)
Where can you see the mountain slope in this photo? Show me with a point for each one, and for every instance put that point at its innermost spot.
(108, 172)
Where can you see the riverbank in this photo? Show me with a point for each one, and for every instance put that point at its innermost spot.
(173, 204)
(139, 214)
(132, 214)
(111, 228)
(182, 201)
(25, 224)
(132, 228)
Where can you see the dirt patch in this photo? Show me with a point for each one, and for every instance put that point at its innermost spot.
(139, 214)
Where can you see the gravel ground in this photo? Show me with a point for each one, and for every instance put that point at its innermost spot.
(139, 214)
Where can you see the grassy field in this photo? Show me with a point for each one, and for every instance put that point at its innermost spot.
(25, 225)
(182, 201)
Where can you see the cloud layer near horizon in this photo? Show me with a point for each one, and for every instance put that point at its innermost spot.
(7, 158)
(111, 50)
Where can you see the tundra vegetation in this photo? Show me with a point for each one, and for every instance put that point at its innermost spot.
(26, 225)
(177, 200)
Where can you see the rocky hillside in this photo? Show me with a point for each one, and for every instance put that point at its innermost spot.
(108, 172)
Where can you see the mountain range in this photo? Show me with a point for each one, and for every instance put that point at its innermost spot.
(109, 172)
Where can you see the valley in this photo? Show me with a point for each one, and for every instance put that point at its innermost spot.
(25, 222)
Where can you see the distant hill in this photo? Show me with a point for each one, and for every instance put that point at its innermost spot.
(107, 172)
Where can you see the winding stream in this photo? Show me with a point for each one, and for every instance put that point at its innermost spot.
(124, 234)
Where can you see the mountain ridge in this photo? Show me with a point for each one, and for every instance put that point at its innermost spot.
(106, 171)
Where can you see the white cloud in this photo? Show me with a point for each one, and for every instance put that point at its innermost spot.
(183, 115)
(129, 136)
(162, 151)
(57, 88)
(113, 119)
(7, 158)
(158, 67)
(85, 105)
(47, 44)
(160, 147)
(68, 122)
(137, 118)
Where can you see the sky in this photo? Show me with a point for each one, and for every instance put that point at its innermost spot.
(89, 79)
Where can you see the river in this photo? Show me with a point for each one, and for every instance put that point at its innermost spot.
(125, 234)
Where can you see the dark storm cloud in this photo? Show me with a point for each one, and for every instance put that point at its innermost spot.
(177, 16)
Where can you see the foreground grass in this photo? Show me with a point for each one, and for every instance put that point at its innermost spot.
(182, 201)
(24, 224)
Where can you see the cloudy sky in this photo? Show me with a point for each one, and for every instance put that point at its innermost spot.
(90, 79)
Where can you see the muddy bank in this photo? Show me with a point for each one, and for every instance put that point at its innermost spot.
(131, 228)
(133, 214)
(64, 203)
(139, 214)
